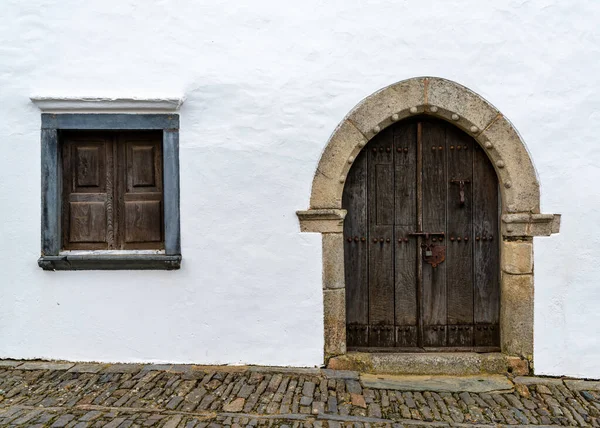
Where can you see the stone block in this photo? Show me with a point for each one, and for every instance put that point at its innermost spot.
(44, 365)
(334, 303)
(516, 316)
(476, 384)
(377, 110)
(328, 183)
(518, 366)
(87, 368)
(517, 257)
(453, 98)
(534, 380)
(518, 179)
(340, 374)
(322, 220)
(582, 385)
(443, 363)
(333, 260)
(10, 363)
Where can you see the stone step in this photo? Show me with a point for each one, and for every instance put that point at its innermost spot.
(477, 384)
(440, 363)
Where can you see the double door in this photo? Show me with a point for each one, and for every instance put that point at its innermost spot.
(421, 242)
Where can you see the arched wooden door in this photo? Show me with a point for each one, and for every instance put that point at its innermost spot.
(421, 242)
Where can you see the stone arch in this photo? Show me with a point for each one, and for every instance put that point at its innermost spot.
(518, 181)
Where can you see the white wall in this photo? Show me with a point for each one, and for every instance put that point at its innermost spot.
(266, 83)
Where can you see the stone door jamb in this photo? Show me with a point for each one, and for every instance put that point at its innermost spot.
(521, 218)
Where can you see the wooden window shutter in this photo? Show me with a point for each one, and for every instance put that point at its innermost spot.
(88, 192)
(140, 190)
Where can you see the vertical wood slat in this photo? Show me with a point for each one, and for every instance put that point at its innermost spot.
(405, 266)
(51, 193)
(459, 243)
(486, 300)
(172, 222)
(354, 200)
(434, 220)
(380, 203)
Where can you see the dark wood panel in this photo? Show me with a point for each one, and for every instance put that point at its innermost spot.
(89, 165)
(141, 157)
(87, 222)
(459, 254)
(405, 162)
(144, 166)
(486, 300)
(143, 221)
(354, 200)
(434, 175)
(140, 203)
(87, 160)
(380, 209)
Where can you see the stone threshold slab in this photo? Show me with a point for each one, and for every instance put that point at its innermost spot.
(439, 363)
(477, 384)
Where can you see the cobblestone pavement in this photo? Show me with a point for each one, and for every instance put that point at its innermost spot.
(48, 394)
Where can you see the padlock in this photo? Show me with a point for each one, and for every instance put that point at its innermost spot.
(428, 252)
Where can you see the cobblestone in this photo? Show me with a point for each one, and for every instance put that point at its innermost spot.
(47, 394)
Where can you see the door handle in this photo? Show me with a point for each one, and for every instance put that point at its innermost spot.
(461, 183)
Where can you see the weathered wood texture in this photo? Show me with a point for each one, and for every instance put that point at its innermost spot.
(434, 220)
(355, 253)
(393, 298)
(51, 191)
(112, 190)
(172, 224)
(380, 220)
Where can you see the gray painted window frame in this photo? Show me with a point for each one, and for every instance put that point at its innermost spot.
(51, 257)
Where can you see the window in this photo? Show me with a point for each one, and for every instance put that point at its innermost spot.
(110, 192)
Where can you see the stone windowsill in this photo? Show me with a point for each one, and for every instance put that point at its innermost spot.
(110, 260)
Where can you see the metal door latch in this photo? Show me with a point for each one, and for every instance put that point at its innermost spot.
(461, 184)
(433, 254)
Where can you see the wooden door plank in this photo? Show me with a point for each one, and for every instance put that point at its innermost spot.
(405, 266)
(354, 200)
(434, 175)
(459, 254)
(380, 208)
(486, 252)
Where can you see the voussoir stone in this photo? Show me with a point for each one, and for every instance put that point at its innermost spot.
(378, 108)
(523, 195)
(457, 99)
(327, 188)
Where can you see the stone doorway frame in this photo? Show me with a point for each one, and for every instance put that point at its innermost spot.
(521, 219)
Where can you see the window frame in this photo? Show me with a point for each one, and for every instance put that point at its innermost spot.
(52, 258)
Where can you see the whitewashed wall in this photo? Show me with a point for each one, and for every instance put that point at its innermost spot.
(266, 83)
